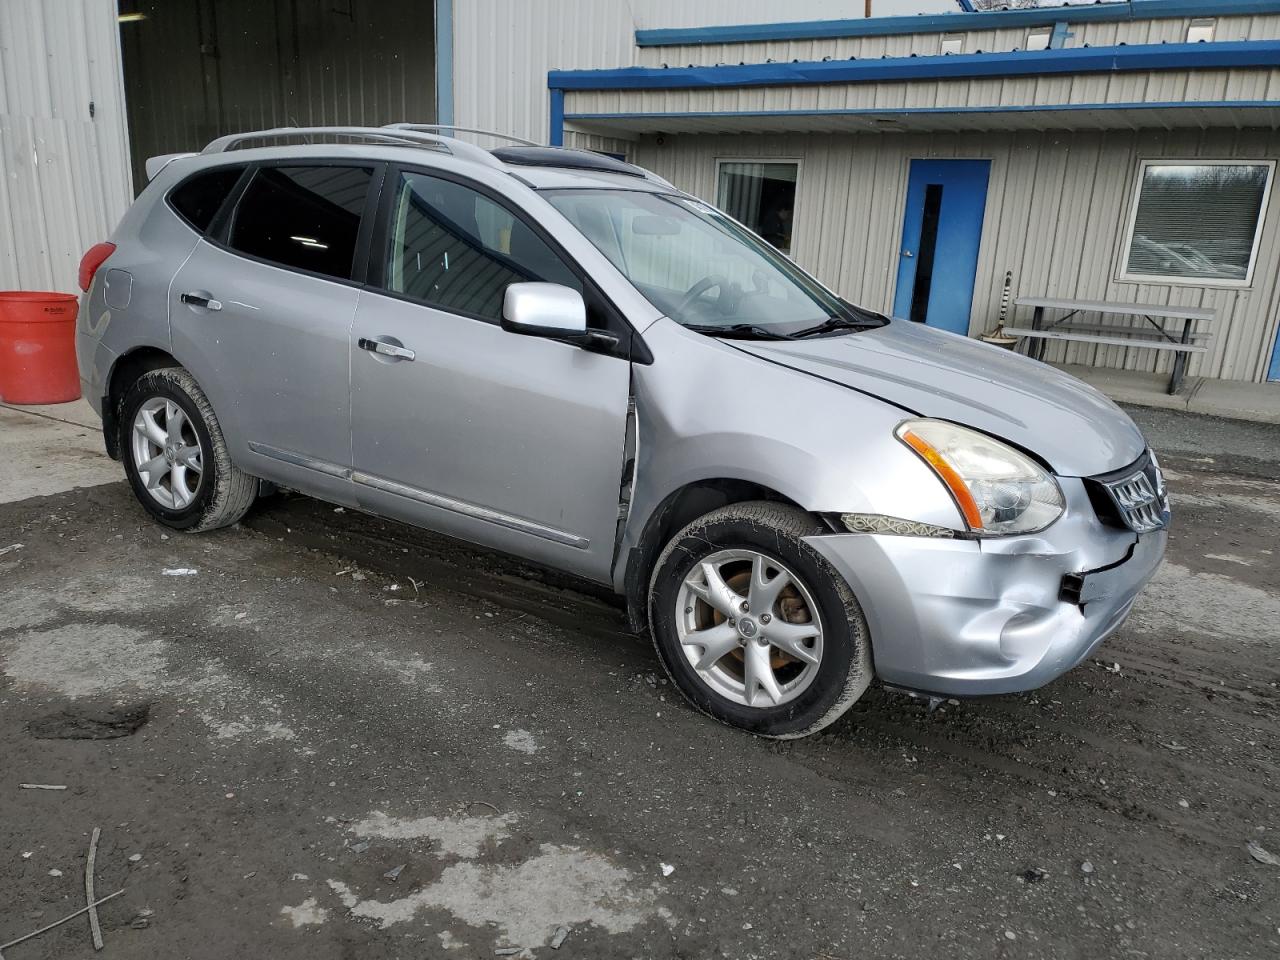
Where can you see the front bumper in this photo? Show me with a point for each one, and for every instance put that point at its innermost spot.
(976, 617)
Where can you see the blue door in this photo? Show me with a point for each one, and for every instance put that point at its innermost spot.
(1274, 372)
(940, 235)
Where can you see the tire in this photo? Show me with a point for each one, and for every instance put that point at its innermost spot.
(194, 491)
(825, 664)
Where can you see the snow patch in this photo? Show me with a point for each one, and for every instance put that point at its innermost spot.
(307, 913)
(456, 836)
(521, 740)
(527, 901)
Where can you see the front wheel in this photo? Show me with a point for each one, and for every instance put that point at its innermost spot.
(754, 626)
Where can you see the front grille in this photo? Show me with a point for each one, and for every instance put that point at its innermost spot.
(1135, 497)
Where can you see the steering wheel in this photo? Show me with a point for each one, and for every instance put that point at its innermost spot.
(702, 286)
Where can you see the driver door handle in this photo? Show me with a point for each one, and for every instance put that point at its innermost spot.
(385, 349)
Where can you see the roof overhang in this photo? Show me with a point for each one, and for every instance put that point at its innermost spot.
(1067, 117)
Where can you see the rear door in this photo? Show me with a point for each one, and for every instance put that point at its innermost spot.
(507, 440)
(260, 313)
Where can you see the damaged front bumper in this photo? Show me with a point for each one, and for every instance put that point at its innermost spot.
(974, 617)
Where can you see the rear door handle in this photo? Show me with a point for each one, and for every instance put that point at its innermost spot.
(200, 300)
(383, 348)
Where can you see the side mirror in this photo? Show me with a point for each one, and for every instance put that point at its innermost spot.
(544, 310)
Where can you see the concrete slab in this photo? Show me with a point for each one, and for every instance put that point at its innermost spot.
(47, 450)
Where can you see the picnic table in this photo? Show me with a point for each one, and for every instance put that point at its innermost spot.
(1182, 342)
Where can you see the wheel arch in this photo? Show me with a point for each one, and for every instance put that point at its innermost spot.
(127, 368)
(677, 509)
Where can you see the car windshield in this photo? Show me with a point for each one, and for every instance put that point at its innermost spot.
(702, 269)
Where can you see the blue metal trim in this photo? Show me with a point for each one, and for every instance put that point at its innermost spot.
(1237, 54)
(952, 22)
(912, 110)
(444, 62)
(966, 6)
(555, 136)
(1061, 34)
(909, 111)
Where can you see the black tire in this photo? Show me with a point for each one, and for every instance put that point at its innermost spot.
(224, 492)
(777, 531)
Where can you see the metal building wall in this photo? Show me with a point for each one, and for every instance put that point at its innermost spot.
(196, 69)
(502, 49)
(1094, 34)
(1056, 212)
(64, 164)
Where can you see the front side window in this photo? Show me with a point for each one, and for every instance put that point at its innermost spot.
(452, 247)
(199, 197)
(696, 265)
(305, 218)
(1197, 221)
(760, 195)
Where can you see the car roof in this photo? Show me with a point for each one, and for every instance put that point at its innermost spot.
(538, 167)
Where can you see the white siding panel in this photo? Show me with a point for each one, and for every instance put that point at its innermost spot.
(1057, 207)
(64, 175)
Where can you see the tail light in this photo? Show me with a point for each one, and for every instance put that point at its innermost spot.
(92, 260)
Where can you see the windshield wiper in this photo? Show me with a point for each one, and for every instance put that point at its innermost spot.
(832, 324)
(738, 331)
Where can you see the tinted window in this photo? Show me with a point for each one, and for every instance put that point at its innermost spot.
(198, 198)
(303, 217)
(454, 248)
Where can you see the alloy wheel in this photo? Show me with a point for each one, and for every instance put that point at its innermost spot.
(167, 453)
(749, 627)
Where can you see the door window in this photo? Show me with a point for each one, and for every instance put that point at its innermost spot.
(305, 218)
(454, 248)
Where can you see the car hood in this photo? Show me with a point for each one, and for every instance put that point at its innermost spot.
(1069, 424)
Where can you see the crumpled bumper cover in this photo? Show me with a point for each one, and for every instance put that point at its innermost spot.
(973, 617)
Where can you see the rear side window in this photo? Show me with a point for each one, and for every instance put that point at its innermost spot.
(305, 218)
(198, 198)
(454, 248)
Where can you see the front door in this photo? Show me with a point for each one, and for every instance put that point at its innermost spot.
(507, 440)
(1274, 372)
(941, 231)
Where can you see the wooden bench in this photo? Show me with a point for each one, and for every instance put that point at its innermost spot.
(1183, 343)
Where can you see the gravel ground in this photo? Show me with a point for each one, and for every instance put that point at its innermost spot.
(330, 702)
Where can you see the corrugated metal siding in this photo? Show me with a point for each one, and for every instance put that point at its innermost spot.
(1146, 87)
(1057, 209)
(503, 50)
(64, 181)
(197, 69)
(930, 44)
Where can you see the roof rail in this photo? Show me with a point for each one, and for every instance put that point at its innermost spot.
(452, 126)
(402, 137)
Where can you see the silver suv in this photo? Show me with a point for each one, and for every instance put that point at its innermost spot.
(560, 355)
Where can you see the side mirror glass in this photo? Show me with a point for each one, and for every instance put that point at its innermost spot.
(544, 310)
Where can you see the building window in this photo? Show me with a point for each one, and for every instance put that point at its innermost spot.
(1197, 221)
(762, 195)
(952, 43)
(1039, 38)
(1201, 30)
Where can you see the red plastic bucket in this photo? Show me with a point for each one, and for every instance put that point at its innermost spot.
(38, 347)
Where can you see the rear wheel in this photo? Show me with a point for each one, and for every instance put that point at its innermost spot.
(175, 456)
(754, 626)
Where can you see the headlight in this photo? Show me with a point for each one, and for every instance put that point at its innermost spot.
(998, 489)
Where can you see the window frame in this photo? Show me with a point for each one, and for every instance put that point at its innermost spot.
(1135, 197)
(797, 162)
(630, 346)
(232, 195)
(220, 229)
